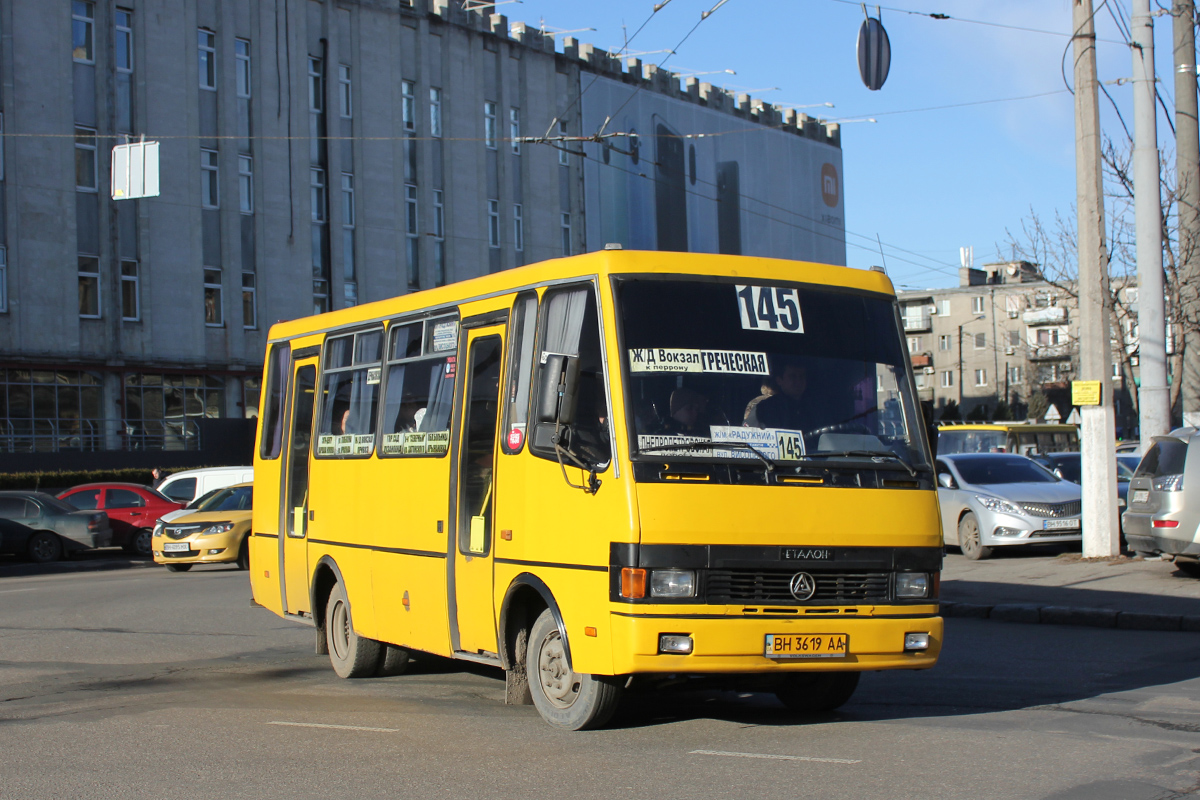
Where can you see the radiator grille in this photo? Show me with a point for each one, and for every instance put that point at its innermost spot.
(1070, 509)
(772, 586)
(181, 531)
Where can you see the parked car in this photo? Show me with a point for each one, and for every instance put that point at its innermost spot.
(43, 528)
(991, 500)
(131, 507)
(215, 533)
(1163, 513)
(1070, 467)
(1129, 447)
(190, 507)
(184, 487)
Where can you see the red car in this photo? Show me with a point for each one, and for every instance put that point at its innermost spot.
(131, 507)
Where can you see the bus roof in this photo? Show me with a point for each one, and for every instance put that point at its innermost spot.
(602, 263)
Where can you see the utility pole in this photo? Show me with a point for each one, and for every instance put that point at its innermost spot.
(1154, 399)
(1101, 534)
(1187, 171)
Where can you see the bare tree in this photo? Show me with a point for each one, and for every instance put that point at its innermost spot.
(1052, 246)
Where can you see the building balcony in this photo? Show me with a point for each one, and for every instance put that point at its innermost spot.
(1048, 352)
(921, 361)
(1054, 315)
(916, 323)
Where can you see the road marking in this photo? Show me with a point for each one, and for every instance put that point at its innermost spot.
(10, 591)
(777, 757)
(336, 727)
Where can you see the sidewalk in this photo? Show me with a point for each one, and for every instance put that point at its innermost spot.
(1038, 587)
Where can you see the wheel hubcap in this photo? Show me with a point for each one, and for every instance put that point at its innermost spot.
(44, 548)
(559, 683)
(340, 629)
(142, 543)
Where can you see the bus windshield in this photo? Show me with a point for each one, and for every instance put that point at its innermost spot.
(781, 372)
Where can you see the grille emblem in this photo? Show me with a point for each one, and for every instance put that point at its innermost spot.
(802, 586)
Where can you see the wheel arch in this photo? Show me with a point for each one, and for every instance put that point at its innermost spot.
(325, 575)
(525, 598)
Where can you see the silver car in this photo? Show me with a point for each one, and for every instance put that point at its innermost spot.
(1162, 511)
(991, 500)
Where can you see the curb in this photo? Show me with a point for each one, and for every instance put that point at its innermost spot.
(70, 567)
(1069, 615)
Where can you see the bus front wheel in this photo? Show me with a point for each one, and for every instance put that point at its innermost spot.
(812, 692)
(352, 656)
(565, 698)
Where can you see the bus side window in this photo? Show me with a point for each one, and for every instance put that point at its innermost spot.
(350, 393)
(421, 369)
(522, 338)
(279, 369)
(570, 327)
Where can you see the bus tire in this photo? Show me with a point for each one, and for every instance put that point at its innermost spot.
(351, 655)
(970, 540)
(565, 698)
(394, 661)
(814, 692)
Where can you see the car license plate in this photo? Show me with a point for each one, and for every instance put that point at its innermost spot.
(176, 547)
(1141, 495)
(1059, 524)
(807, 645)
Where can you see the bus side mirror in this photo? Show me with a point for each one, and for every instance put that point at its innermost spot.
(559, 389)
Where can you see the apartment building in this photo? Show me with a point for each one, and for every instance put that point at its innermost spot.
(317, 154)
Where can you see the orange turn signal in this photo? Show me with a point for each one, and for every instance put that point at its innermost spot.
(633, 582)
(589, 631)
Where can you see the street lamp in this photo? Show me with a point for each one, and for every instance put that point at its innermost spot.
(960, 360)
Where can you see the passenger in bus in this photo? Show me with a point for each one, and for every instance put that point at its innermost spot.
(688, 409)
(411, 412)
(766, 390)
(791, 407)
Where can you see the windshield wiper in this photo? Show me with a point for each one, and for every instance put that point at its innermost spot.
(874, 454)
(696, 445)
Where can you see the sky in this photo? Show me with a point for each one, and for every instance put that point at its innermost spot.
(974, 127)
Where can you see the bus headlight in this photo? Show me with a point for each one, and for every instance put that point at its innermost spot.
(912, 584)
(672, 583)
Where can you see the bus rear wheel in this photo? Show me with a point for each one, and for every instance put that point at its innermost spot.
(352, 656)
(813, 692)
(565, 698)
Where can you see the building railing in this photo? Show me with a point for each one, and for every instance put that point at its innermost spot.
(67, 435)
(922, 322)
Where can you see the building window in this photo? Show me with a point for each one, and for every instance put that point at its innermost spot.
(439, 214)
(249, 301)
(980, 341)
(1131, 330)
(981, 377)
(131, 310)
(514, 129)
(943, 308)
(1014, 338)
(316, 193)
(89, 287)
(408, 104)
(493, 207)
(1131, 294)
(566, 234)
(212, 297)
(411, 230)
(489, 125)
(410, 210)
(241, 52)
(210, 182)
(562, 146)
(921, 380)
(1048, 337)
(347, 200)
(85, 159)
(976, 305)
(3, 278)
(435, 112)
(246, 184)
(82, 25)
(206, 42)
(123, 23)
(518, 228)
(316, 86)
(1116, 370)
(945, 342)
(320, 295)
(345, 101)
(2, 159)
(1014, 374)
(914, 344)
(947, 379)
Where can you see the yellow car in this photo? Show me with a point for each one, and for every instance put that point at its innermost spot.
(216, 532)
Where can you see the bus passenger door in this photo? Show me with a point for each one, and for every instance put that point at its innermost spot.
(474, 616)
(293, 554)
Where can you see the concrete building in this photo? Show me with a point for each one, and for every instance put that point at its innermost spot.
(314, 154)
(1005, 333)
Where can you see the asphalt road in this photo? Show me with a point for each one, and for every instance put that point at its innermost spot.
(140, 683)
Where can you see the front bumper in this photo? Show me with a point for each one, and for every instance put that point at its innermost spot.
(736, 643)
(199, 546)
(1030, 530)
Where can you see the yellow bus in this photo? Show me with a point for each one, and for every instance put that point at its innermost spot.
(1026, 438)
(603, 471)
